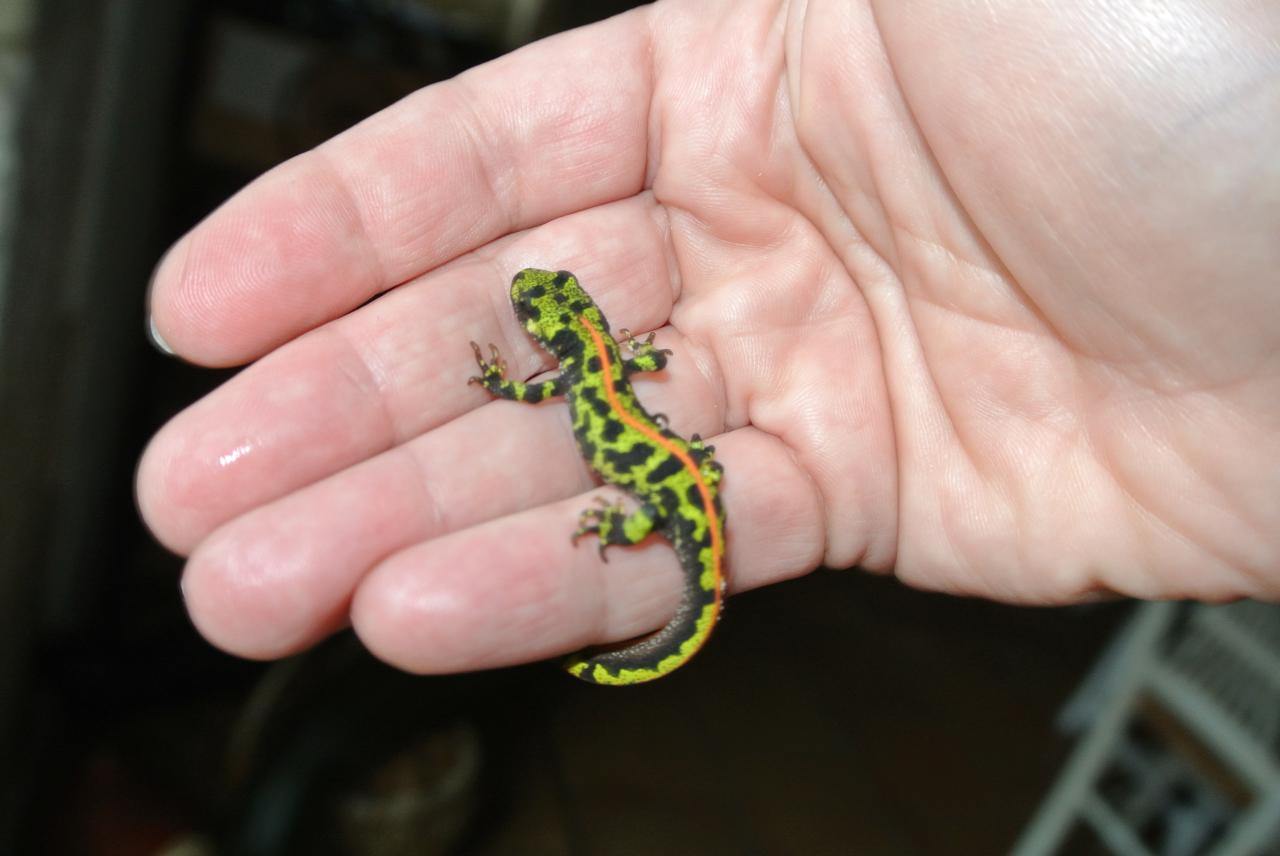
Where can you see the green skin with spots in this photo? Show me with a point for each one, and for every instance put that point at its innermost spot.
(675, 481)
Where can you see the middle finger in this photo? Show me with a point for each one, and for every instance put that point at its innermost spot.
(279, 577)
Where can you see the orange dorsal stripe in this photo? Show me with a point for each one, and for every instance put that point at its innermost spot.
(708, 505)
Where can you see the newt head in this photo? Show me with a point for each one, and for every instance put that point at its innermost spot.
(553, 307)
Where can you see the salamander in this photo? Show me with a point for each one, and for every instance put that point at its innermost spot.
(676, 482)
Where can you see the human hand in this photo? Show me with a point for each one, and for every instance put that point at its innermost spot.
(988, 301)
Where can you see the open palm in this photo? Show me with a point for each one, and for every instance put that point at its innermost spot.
(984, 297)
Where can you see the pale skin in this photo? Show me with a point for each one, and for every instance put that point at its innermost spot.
(986, 296)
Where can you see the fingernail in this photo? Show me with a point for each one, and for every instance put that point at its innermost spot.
(157, 341)
(153, 334)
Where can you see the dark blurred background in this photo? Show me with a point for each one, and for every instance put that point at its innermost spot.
(841, 713)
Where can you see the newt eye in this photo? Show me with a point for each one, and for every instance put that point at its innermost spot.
(525, 308)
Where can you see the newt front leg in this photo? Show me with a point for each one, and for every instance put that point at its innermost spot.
(644, 356)
(493, 378)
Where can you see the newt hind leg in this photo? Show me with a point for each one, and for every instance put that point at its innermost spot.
(612, 524)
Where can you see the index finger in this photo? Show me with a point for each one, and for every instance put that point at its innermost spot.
(515, 142)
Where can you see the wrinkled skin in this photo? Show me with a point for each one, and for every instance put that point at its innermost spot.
(982, 295)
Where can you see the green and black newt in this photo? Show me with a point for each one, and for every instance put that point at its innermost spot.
(675, 481)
